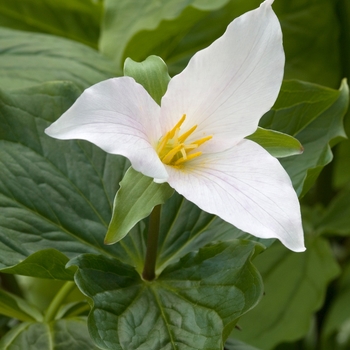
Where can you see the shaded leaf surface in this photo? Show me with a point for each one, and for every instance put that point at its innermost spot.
(314, 115)
(78, 20)
(62, 334)
(295, 285)
(336, 332)
(192, 305)
(28, 59)
(123, 19)
(52, 194)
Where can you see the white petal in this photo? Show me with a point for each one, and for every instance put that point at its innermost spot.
(227, 87)
(246, 187)
(119, 116)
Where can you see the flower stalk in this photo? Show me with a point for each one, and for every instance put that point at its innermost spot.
(149, 269)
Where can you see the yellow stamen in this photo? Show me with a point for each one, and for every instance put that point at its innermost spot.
(171, 147)
(184, 136)
(170, 155)
(189, 157)
(170, 134)
(202, 140)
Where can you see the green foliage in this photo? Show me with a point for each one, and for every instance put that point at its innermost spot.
(29, 59)
(77, 20)
(152, 74)
(135, 199)
(56, 197)
(60, 334)
(336, 331)
(317, 123)
(295, 287)
(123, 19)
(276, 143)
(178, 309)
(45, 263)
(13, 306)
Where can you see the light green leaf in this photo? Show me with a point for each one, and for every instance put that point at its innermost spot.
(16, 307)
(152, 74)
(77, 20)
(28, 59)
(192, 305)
(313, 115)
(295, 285)
(276, 143)
(135, 200)
(62, 334)
(123, 19)
(46, 263)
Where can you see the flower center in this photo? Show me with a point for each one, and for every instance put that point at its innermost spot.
(173, 150)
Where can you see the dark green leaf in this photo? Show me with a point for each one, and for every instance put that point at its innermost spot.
(15, 307)
(336, 218)
(234, 344)
(46, 263)
(152, 74)
(28, 59)
(312, 114)
(135, 199)
(295, 287)
(53, 193)
(62, 334)
(192, 305)
(78, 20)
(276, 143)
(123, 19)
(336, 332)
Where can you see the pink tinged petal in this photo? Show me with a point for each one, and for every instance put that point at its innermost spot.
(119, 116)
(227, 87)
(246, 187)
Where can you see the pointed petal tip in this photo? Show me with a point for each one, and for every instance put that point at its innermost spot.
(267, 3)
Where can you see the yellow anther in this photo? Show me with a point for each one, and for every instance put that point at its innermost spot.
(202, 140)
(170, 155)
(176, 127)
(171, 148)
(189, 157)
(184, 136)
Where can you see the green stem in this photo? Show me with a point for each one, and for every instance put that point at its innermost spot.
(57, 301)
(148, 273)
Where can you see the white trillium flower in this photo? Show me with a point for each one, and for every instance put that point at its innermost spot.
(195, 139)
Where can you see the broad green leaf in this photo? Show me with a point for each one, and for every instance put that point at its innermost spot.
(309, 55)
(336, 218)
(336, 331)
(152, 74)
(192, 305)
(53, 194)
(295, 285)
(28, 59)
(123, 19)
(313, 115)
(135, 200)
(234, 344)
(15, 307)
(46, 263)
(77, 20)
(62, 334)
(185, 228)
(276, 143)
